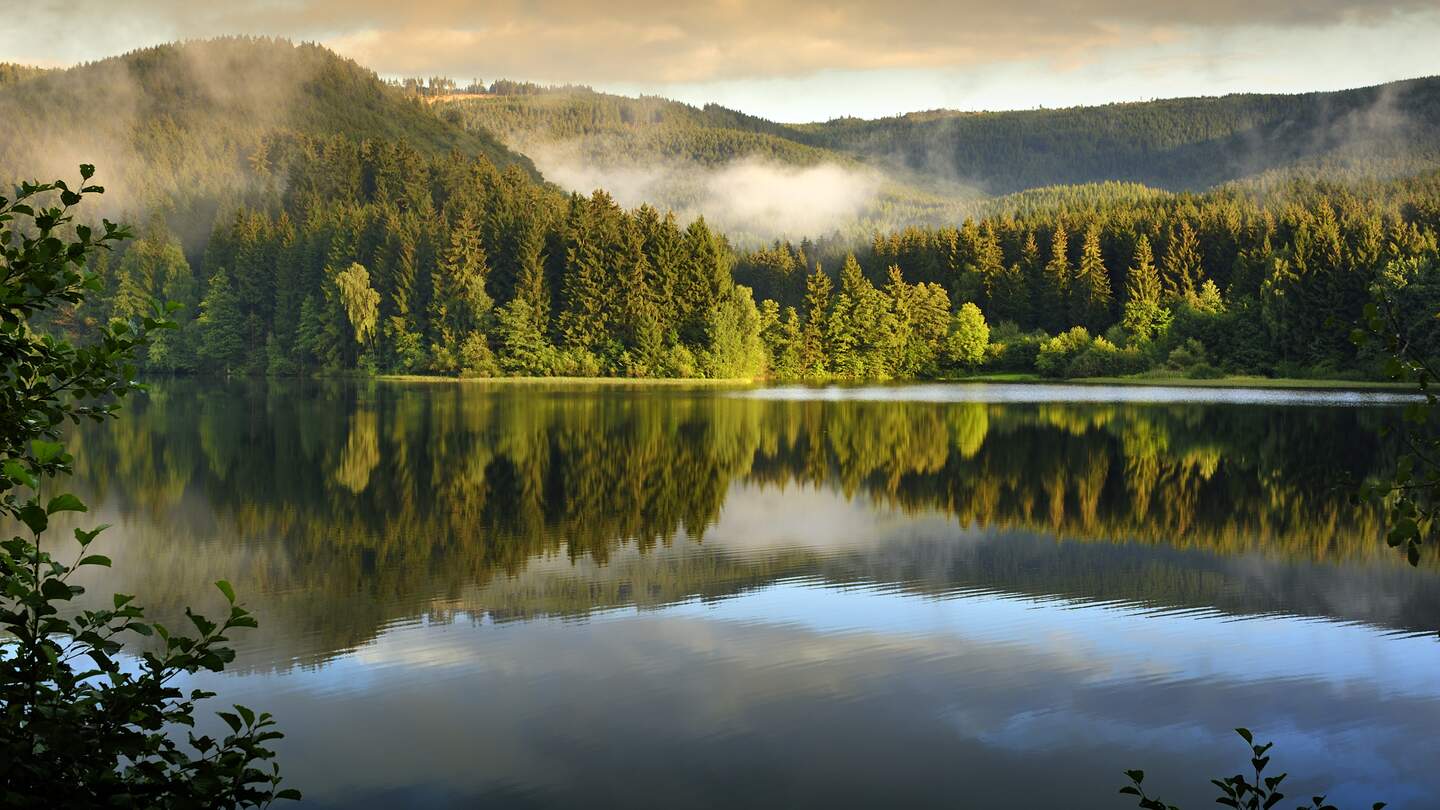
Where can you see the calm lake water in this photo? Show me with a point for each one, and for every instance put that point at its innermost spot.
(950, 596)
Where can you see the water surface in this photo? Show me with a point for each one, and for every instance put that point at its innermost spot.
(948, 596)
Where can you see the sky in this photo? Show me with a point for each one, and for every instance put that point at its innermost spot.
(805, 60)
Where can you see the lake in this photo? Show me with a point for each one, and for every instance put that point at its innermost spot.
(543, 595)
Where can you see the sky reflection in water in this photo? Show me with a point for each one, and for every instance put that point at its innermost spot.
(958, 600)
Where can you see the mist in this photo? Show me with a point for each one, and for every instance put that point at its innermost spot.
(749, 199)
(170, 130)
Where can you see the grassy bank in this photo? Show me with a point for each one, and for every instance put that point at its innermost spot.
(1232, 381)
(1236, 381)
(616, 381)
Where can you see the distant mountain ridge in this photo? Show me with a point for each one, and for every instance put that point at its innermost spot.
(1183, 144)
(178, 126)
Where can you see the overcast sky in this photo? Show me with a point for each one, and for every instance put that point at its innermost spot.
(806, 60)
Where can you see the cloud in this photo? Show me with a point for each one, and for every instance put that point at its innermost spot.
(654, 41)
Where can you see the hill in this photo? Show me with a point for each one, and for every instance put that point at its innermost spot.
(1176, 144)
(749, 176)
(178, 125)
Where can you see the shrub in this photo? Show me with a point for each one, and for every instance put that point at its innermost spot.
(77, 729)
(1055, 354)
(1186, 355)
(1204, 371)
(1238, 790)
(1014, 354)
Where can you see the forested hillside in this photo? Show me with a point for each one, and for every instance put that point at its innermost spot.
(378, 257)
(1114, 279)
(176, 126)
(11, 73)
(612, 128)
(712, 161)
(1178, 144)
(309, 217)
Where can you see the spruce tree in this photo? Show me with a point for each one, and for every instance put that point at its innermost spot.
(1051, 305)
(1090, 296)
(1144, 316)
(1183, 272)
(814, 353)
(221, 324)
(460, 307)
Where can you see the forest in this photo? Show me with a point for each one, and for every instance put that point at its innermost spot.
(1183, 144)
(327, 221)
(377, 258)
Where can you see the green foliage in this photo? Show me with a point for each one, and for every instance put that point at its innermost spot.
(1405, 330)
(1144, 317)
(1259, 792)
(360, 302)
(968, 338)
(1056, 353)
(222, 337)
(733, 341)
(1259, 281)
(77, 727)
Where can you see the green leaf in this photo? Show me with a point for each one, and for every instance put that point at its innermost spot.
(230, 720)
(226, 589)
(46, 452)
(94, 559)
(55, 590)
(16, 472)
(34, 517)
(85, 538)
(64, 503)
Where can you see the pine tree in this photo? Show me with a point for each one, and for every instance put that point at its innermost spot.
(703, 278)
(221, 325)
(640, 327)
(1051, 304)
(585, 320)
(1144, 316)
(460, 308)
(1090, 296)
(1183, 272)
(814, 353)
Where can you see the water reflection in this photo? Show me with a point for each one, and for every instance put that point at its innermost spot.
(698, 597)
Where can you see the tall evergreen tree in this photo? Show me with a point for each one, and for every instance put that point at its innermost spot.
(222, 326)
(1144, 316)
(814, 352)
(1051, 306)
(1090, 296)
(1183, 273)
(460, 308)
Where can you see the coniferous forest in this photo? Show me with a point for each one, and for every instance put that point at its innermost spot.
(403, 246)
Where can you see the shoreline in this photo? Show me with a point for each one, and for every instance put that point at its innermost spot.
(1238, 381)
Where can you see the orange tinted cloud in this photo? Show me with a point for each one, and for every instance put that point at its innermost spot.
(660, 41)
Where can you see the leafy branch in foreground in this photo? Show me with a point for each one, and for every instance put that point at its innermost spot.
(80, 724)
(1411, 495)
(1261, 793)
